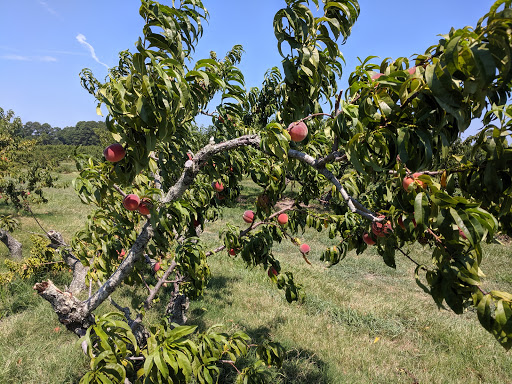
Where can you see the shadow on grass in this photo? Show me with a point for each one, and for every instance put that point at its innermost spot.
(300, 366)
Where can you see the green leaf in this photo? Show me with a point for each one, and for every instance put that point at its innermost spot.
(162, 367)
(419, 212)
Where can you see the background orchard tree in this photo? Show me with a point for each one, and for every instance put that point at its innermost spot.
(396, 122)
(21, 180)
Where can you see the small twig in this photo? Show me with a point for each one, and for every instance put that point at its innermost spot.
(118, 189)
(408, 373)
(335, 156)
(207, 113)
(52, 262)
(250, 228)
(337, 103)
(409, 257)
(356, 97)
(125, 310)
(232, 363)
(145, 284)
(29, 210)
(485, 293)
(315, 115)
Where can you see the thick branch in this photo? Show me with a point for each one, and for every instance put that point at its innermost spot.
(68, 308)
(14, 246)
(79, 270)
(335, 156)
(192, 167)
(135, 252)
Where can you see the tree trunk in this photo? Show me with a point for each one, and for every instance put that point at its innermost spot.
(178, 306)
(12, 244)
(72, 312)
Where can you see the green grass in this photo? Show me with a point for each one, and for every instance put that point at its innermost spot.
(361, 322)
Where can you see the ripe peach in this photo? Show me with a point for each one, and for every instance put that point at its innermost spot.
(144, 207)
(131, 202)
(232, 252)
(304, 248)
(157, 266)
(408, 180)
(114, 153)
(381, 229)
(298, 131)
(272, 272)
(248, 216)
(121, 254)
(217, 186)
(282, 218)
(368, 239)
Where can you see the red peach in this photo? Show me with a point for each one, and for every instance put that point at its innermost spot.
(131, 202)
(114, 153)
(144, 207)
(217, 186)
(304, 248)
(408, 180)
(381, 229)
(368, 239)
(248, 216)
(298, 131)
(282, 218)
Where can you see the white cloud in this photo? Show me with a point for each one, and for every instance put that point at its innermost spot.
(81, 39)
(59, 52)
(47, 58)
(47, 7)
(15, 57)
(28, 58)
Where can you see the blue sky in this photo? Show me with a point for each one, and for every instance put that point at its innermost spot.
(45, 43)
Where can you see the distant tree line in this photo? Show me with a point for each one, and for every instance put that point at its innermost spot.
(83, 133)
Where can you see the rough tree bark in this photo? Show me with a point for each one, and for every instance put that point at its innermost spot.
(79, 270)
(12, 244)
(71, 311)
(177, 306)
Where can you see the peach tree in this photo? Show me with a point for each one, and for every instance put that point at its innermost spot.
(380, 155)
(21, 180)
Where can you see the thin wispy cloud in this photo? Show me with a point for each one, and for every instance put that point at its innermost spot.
(81, 39)
(59, 52)
(47, 59)
(45, 5)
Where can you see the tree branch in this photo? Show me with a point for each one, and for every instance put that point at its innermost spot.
(192, 167)
(135, 252)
